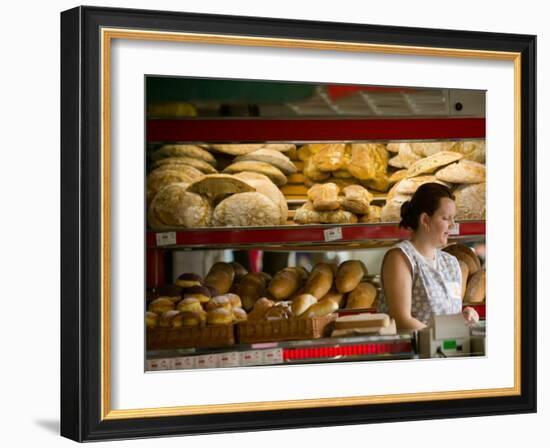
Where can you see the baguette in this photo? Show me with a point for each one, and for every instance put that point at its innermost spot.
(363, 296)
(220, 276)
(320, 309)
(349, 275)
(320, 280)
(301, 303)
(284, 283)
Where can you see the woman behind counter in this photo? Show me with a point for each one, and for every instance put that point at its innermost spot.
(418, 278)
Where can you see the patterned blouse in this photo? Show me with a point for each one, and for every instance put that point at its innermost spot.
(435, 290)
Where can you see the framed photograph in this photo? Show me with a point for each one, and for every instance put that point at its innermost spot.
(230, 188)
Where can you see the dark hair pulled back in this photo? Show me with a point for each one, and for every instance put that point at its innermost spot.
(426, 199)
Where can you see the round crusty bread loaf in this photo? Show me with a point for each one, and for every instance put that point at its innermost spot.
(192, 151)
(475, 290)
(218, 186)
(264, 185)
(363, 296)
(349, 274)
(409, 186)
(470, 201)
(199, 164)
(274, 173)
(464, 271)
(462, 172)
(237, 149)
(271, 156)
(161, 177)
(432, 163)
(246, 209)
(175, 206)
(467, 255)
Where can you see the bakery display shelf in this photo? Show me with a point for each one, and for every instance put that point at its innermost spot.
(356, 348)
(322, 235)
(207, 130)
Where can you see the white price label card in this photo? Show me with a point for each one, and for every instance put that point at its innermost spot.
(230, 359)
(333, 234)
(455, 230)
(187, 362)
(207, 361)
(166, 238)
(152, 364)
(273, 356)
(251, 358)
(158, 364)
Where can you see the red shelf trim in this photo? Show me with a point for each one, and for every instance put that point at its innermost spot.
(260, 129)
(297, 234)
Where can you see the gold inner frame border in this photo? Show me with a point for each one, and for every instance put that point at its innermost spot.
(107, 35)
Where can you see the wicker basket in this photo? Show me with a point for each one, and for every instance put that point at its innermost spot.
(284, 329)
(190, 337)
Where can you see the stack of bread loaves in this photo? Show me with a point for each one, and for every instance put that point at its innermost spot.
(473, 275)
(458, 165)
(199, 302)
(184, 189)
(293, 291)
(245, 199)
(343, 164)
(268, 160)
(327, 203)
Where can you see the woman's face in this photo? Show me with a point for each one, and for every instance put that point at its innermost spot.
(438, 225)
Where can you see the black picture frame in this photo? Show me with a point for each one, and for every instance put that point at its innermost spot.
(81, 215)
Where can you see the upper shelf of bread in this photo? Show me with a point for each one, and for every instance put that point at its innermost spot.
(318, 236)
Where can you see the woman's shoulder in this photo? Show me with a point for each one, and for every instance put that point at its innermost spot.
(397, 258)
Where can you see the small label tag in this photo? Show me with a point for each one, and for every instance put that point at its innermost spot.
(187, 362)
(152, 364)
(206, 361)
(251, 358)
(230, 359)
(273, 356)
(166, 238)
(455, 230)
(333, 234)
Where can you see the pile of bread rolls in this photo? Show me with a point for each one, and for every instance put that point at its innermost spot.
(473, 275)
(229, 294)
(458, 165)
(184, 189)
(194, 301)
(346, 164)
(328, 203)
